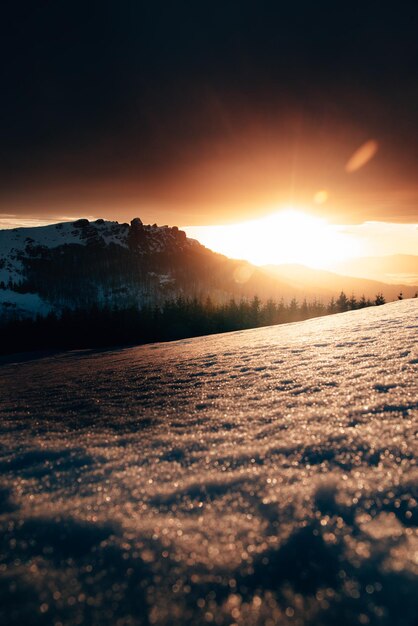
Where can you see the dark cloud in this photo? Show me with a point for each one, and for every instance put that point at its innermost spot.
(110, 104)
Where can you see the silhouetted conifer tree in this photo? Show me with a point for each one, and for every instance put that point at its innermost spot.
(352, 303)
(342, 303)
(183, 317)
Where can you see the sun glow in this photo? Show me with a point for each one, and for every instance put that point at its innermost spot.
(286, 236)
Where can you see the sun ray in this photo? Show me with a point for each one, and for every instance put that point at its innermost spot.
(288, 235)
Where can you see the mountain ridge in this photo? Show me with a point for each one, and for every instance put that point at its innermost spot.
(327, 283)
(103, 263)
(82, 263)
(391, 268)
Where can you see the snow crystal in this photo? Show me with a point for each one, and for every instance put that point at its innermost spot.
(254, 478)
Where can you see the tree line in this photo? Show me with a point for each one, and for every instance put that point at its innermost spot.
(104, 326)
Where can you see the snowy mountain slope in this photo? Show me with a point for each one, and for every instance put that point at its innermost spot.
(20, 244)
(14, 303)
(258, 477)
(51, 263)
(17, 243)
(81, 264)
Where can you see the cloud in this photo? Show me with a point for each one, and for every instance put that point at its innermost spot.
(17, 221)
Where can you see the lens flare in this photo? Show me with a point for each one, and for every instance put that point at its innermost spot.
(361, 156)
(321, 196)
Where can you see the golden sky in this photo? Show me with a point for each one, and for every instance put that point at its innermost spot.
(204, 114)
(290, 235)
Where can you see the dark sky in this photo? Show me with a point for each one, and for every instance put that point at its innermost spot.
(198, 112)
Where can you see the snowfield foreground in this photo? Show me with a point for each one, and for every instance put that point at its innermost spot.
(257, 477)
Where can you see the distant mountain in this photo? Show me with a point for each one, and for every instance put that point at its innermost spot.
(396, 268)
(83, 264)
(320, 283)
(80, 264)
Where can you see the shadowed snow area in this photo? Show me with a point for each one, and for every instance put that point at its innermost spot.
(254, 478)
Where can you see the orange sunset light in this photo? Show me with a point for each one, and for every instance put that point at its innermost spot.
(289, 235)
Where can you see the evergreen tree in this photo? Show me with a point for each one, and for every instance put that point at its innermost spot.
(255, 311)
(332, 306)
(304, 310)
(352, 303)
(342, 302)
(183, 317)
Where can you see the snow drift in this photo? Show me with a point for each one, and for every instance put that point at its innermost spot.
(255, 478)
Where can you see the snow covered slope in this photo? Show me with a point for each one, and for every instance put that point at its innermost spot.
(254, 478)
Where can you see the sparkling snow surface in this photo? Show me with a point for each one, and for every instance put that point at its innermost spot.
(258, 477)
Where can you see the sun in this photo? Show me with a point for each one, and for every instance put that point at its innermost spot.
(288, 235)
(297, 237)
